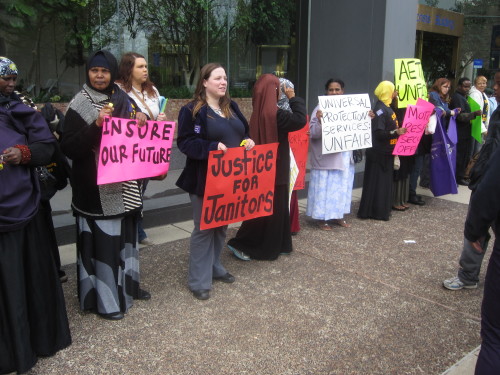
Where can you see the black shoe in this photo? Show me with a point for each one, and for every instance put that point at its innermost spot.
(463, 182)
(416, 199)
(63, 277)
(201, 293)
(112, 316)
(143, 295)
(227, 278)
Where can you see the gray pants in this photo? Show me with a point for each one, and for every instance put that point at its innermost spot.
(205, 249)
(471, 261)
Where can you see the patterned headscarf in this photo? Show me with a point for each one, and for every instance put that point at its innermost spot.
(384, 92)
(7, 67)
(283, 99)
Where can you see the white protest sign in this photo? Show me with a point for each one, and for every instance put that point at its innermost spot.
(345, 123)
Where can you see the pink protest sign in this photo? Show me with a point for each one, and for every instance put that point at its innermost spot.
(415, 121)
(129, 152)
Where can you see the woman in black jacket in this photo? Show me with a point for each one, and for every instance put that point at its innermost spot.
(106, 215)
(211, 121)
(376, 198)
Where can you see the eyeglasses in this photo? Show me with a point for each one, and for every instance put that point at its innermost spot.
(7, 79)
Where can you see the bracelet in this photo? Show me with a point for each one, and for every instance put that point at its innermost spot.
(25, 154)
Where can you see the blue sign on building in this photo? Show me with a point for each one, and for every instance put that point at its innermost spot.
(478, 63)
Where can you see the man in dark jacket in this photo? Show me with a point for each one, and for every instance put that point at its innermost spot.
(464, 145)
(470, 260)
(484, 209)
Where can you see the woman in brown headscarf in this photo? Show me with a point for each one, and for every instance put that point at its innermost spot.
(265, 238)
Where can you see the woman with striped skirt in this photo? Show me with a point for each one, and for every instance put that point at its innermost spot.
(106, 215)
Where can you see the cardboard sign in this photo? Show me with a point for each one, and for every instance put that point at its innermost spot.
(129, 152)
(476, 122)
(294, 174)
(346, 124)
(415, 121)
(409, 81)
(239, 186)
(299, 143)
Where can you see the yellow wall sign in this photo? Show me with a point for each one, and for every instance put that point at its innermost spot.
(409, 81)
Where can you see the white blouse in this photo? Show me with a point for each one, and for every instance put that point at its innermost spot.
(152, 102)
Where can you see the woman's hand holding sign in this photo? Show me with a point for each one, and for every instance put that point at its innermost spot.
(247, 143)
(105, 111)
(400, 131)
(141, 119)
(222, 147)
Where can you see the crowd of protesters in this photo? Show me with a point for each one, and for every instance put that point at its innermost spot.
(108, 217)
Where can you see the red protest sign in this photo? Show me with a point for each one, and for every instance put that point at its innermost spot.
(239, 186)
(299, 143)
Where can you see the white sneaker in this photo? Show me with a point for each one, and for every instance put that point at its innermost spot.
(455, 284)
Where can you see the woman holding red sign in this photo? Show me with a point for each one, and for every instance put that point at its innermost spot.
(267, 237)
(211, 121)
(106, 215)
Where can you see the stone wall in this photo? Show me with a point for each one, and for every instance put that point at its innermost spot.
(174, 105)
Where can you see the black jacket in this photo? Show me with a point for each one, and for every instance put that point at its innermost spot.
(484, 207)
(464, 127)
(383, 124)
(192, 140)
(487, 150)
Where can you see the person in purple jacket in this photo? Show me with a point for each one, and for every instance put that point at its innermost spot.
(33, 320)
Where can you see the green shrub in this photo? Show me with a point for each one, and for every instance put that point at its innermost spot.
(237, 92)
(176, 92)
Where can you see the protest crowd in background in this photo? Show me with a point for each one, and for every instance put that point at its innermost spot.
(117, 137)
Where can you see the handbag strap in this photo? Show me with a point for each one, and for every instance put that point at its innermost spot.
(144, 104)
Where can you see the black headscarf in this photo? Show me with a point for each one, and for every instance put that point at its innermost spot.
(123, 106)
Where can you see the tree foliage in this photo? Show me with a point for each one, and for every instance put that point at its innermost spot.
(189, 30)
(73, 23)
(270, 21)
(182, 26)
(480, 16)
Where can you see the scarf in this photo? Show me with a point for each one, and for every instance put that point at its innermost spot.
(384, 92)
(283, 102)
(123, 106)
(263, 122)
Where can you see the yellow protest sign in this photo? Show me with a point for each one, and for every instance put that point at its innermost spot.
(409, 81)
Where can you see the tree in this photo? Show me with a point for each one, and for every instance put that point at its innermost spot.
(182, 25)
(75, 19)
(480, 16)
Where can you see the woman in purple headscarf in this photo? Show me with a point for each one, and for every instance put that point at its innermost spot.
(33, 319)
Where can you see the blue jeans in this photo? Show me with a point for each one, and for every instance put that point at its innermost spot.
(415, 172)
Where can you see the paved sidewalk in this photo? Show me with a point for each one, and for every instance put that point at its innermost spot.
(359, 300)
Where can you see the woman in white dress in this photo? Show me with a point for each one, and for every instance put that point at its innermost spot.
(332, 175)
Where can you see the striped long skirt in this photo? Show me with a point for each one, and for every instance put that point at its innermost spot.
(107, 263)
